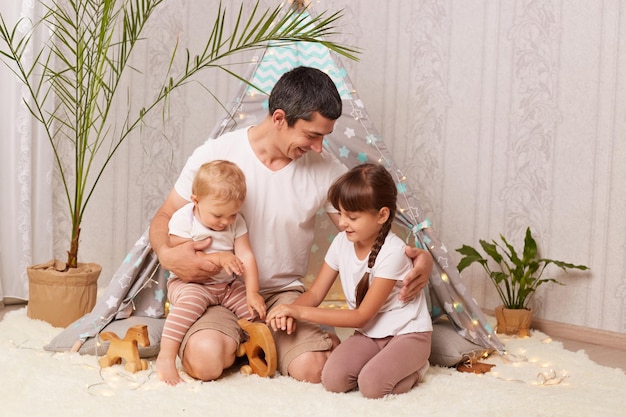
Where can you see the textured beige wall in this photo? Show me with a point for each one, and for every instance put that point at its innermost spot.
(503, 114)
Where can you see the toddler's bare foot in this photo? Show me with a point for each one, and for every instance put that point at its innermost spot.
(167, 371)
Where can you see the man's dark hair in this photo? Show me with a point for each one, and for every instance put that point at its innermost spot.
(304, 91)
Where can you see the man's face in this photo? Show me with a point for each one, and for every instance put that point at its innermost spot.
(306, 136)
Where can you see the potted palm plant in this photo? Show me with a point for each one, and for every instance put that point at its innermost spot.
(72, 82)
(515, 278)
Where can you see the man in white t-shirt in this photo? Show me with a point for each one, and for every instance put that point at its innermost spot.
(286, 185)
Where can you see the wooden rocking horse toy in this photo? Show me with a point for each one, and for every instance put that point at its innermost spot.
(126, 348)
(260, 349)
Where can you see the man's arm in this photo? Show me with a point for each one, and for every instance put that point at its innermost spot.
(185, 260)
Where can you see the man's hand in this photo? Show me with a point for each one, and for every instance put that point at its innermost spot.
(188, 262)
(187, 259)
(418, 277)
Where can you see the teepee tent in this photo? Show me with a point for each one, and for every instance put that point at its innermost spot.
(137, 290)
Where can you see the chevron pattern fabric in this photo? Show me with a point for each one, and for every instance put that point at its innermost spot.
(280, 59)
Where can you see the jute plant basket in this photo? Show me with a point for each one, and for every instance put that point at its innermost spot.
(60, 298)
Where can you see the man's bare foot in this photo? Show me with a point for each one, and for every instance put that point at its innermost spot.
(167, 371)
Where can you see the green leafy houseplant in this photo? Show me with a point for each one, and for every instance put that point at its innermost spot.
(516, 278)
(73, 79)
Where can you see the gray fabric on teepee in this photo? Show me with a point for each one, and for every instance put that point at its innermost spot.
(138, 287)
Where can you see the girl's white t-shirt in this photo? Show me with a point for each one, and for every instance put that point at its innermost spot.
(395, 317)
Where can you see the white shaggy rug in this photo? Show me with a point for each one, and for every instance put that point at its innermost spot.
(537, 378)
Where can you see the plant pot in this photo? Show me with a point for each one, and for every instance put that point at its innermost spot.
(58, 297)
(515, 322)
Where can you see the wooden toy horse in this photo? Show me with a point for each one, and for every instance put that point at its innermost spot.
(259, 343)
(126, 348)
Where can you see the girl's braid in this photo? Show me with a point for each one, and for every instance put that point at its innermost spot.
(364, 283)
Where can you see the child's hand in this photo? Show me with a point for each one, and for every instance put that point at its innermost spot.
(231, 264)
(256, 303)
(282, 317)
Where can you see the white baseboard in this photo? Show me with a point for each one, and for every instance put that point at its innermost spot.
(581, 334)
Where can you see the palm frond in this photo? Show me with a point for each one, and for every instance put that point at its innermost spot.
(74, 78)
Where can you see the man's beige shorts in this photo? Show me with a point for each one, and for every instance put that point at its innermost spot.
(308, 337)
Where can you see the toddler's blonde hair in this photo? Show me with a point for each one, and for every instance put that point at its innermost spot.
(221, 180)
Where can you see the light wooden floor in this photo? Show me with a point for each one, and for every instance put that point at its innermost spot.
(614, 358)
(607, 356)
